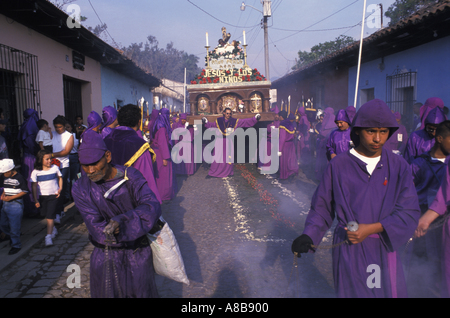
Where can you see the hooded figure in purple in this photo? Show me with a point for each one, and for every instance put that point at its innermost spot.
(185, 168)
(162, 144)
(429, 105)
(397, 142)
(339, 140)
(421, 141)
(128, 149)
(265, 167)
(374, 188)
(94, 122)
(288, 157)
(303, 144)
(27, 137)
(109, 116)
(119, 209)
(223, 142)
(328, 125)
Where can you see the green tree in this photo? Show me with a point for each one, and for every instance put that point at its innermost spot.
(321, 50)
(401, 9)
(165, 62)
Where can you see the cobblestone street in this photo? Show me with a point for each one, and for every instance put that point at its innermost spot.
(235, 236)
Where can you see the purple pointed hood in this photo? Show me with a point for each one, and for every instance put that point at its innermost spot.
(342, 116)
(435, 116)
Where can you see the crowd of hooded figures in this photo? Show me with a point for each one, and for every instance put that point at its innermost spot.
(120, 168)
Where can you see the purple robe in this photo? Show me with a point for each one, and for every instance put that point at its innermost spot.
(224, 168)
(136, 209)
(185, 168)
(303, 145)
(288, 158)
(265, 166)
(398, 140)
(124, 143)
(440, 206)
(338, 142)
(346, 192)
(420, 141)
(27, 138)
(164, 175)
(427, 176)
(328, 125)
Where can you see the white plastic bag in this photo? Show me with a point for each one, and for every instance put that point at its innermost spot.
(167, 260)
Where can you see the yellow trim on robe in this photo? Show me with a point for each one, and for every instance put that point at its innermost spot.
(139, 153)
(225, 134)
(289, 131)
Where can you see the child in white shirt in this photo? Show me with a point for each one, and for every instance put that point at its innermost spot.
(46, 183)
(44, 135)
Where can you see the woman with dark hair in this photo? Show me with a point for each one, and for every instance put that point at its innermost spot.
(63, 142)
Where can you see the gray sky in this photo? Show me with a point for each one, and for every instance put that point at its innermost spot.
(295, 24)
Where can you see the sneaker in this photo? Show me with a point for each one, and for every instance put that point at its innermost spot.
(48, 240)
(58, 219)
(13, 250)
(54, 232)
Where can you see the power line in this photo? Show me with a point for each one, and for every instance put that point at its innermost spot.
(243, 27)
(117, 46)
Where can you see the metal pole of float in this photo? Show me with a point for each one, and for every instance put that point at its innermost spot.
(360, 53)
(184, 92)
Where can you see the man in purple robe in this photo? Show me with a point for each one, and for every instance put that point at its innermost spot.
(328, 125)
(128, 149)
(374, 188)
(223, 143)
(422, 140)
(397, 142)
(162, 144)
(109, 116)
(119, 209)
(185, 167)
(339, 139)
(27, 137)
(303, 143)
(265, 167)
(288, 159)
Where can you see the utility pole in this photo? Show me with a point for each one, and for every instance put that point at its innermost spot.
(267, 12)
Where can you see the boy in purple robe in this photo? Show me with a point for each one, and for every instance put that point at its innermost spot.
(430, 104)
(226, 126)
(429, 171)
(185, 168)
(119, 209)
(288, 158)
(397, 142)
(128, 149)
(339, 139)
(109, 116)
(422, 140)
(374, 188)
(162, 145)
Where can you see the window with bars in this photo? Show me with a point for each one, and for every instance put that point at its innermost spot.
(19, 90)
(401, 89)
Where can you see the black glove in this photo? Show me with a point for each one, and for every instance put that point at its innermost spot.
(301, 244)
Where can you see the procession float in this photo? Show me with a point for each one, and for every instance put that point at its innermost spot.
(227, 81)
